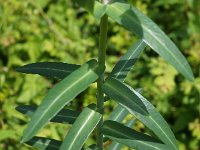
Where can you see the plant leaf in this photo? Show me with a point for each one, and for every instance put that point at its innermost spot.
(116, 145)
(130, 137)
(56, 70)
(127, 97)
(99, 10)
(81, 129)
(94, 7)
(127, 61)
(133, 20)
(44, 143)
(64, 116)
(61, 94)
(87, 4)
(118, 114)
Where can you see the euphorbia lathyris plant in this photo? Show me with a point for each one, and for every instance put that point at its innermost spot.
(74, 79)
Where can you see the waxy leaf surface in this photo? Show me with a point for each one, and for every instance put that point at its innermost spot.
(56, 70)
(61, 94)
(81, 129)
(130, 137)
(42, 143)
(64, 116)
(127, 97)
(136, 22)
(118, 114)
(127, 61)
(118, 146)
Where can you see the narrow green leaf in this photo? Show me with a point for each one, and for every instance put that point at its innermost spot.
(42, 143)
(106, 98)
(132, 19)
(64, 116)
(118, 114)
(81, 129)
(123, 67)
(99, 10)
(116, 145)
(56, 70)
(127, 61)
(130, 137)
(126, 97)
(61, 94)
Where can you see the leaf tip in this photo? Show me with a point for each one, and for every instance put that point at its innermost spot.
(25, 138)
(22, 140)
(17, 108)
(18, 69)
(190, 77)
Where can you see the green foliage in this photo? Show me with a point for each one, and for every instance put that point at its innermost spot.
(130, 137)
(55, 31)
(141, 109)
(63, 116)
(142, 26)
(49, 69)
(81, 129)
(61, 94)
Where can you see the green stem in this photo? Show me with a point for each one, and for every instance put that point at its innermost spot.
(101, 61)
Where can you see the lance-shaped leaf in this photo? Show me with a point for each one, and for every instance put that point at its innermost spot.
(42, 143)
(56, 70)
(118, 114)
(81, 129)
(130, 137)
(127, 61)
(118, 146)
(127, 97)
(61, 94)
(64, 116)
(132, 19)
(124, 65)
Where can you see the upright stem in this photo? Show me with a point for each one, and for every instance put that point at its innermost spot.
(101, 61)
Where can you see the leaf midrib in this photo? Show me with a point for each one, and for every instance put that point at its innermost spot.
(47, 144)
(151, 118)
(58, 115)
(163, 132)
(124, 95)
(129, 137)
(148, 116)
(40, 68)
(130, 17)
(118, 115)
(60, 95)
(117, 75)
(80, 129)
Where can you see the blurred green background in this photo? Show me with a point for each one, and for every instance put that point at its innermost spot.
(58, 30)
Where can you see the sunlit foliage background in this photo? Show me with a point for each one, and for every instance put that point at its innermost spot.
(58, 30)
